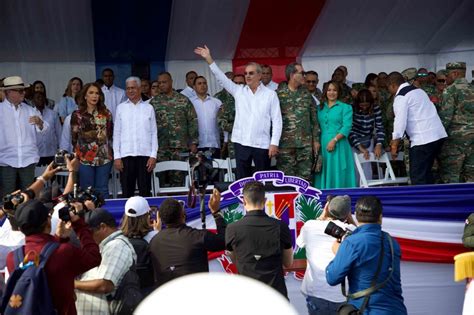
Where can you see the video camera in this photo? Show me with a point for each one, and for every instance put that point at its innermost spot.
(77, 195)
(202, 170)
(60, 158)
(334, 230)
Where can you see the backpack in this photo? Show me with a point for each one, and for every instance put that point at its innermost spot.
(27, 290)
(128, 294)
(144, 267)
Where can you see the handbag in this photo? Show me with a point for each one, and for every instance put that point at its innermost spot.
(349, 309)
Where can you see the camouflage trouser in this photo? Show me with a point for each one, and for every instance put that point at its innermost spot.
(230, 151)
(406, 155)
(457, 160)
(171, 178)
(296, 162)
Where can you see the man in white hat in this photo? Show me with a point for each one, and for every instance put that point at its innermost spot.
(18, 149)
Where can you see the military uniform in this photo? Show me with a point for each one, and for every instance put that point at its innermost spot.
(176, 121)
(346, 96)
(457, 114)
(431, 91)
(226, 116)
(468, 235)
(300, 130)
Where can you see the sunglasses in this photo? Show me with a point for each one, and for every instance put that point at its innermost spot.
(441, 81)
(310, 81)
(249, 73)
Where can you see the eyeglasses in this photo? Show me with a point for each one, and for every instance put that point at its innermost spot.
(441, 80)
(249, 73)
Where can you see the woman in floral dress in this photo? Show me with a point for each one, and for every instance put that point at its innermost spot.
(91, 134)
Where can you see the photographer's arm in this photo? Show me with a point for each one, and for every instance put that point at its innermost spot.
(40, 181)
(216, 242)
(100, 286)
(72, 167)
(339, 267)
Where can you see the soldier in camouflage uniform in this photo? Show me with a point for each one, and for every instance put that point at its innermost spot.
(440, 87)
(346, 96)
(422, 82)
(312, 80)
(226, 116)
(300, 134)
(457, 114)
(176, 121)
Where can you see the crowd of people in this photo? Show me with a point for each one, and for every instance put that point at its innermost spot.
(87, 257)
(310, 133)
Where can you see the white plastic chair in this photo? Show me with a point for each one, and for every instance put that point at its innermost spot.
(225, 166)
(389, 176)
(170, 166)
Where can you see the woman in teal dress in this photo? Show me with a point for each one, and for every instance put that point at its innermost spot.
(335, 121)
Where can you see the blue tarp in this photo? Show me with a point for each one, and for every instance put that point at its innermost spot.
(452, 202)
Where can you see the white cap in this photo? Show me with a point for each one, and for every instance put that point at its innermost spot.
(136, 206)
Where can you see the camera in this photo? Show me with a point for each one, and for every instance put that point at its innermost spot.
(60, 158)
(202, 170)
(11, 201)
(334, 230)
(77, 195)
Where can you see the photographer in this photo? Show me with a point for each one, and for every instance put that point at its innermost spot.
(369, 258)
(67, 261)
(180, 250)
(320, 297)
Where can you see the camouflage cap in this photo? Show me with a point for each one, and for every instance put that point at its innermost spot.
(442, 72)
(358, 86)
(409, 74)
(458, 65)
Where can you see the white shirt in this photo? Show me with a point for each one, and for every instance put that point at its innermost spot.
(48, 141)
(319, 254)
(188, 92)
(135, 132)
(9, 240)
(18, 146)
(416, 115)
(113, 97)
(254, 113)
(206, 111)
(65, 143)
(272, 85)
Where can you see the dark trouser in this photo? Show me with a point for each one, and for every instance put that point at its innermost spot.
(216, 152)
(45, 160)
(421, 161)
(244, 156)
(134, 172)
(12, 178)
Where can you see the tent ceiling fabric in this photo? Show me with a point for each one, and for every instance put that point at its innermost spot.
(346, 28)
(46, 30)
(216, 23)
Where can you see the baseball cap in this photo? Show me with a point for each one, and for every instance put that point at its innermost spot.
(136, 206)
(409, 74)
(31, 213)
(340, 207)
(95, 217)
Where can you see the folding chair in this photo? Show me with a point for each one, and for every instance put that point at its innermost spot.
(389, 176)
(170, 166)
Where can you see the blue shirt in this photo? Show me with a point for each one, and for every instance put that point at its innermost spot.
(65, 106)
(357, 258)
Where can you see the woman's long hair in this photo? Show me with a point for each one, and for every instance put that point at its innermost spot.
(82, 103)
(135, 227)
(364, 96)
(325, 91)
(68, 91)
